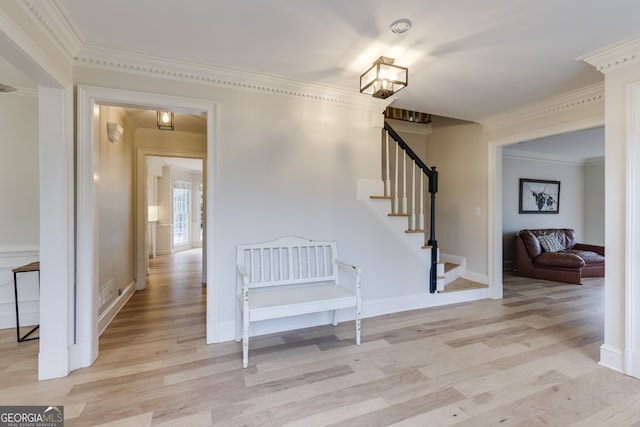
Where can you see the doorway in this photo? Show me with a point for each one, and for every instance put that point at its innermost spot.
(89, 101)
(495, 149)
(175, 191)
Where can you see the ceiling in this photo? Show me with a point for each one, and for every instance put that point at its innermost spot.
(183, 122)
(467, 59)
(192, 165)
(575, 147)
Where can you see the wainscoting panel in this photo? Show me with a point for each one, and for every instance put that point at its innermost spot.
(28, 288)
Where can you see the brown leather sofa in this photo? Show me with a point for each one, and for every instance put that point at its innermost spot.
(569, 264)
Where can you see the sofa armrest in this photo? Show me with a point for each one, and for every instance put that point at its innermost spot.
(587, 247)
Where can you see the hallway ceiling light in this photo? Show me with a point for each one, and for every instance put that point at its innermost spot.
(165, 120)
(383, 79)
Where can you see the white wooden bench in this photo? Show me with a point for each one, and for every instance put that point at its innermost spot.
(291, 276)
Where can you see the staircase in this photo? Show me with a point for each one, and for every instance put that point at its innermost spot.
(399, 200)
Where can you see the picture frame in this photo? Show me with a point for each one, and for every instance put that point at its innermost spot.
(539, 196)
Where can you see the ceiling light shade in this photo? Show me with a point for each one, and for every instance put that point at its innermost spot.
(383, 79)
(165, 120)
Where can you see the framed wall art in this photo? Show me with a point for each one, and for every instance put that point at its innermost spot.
(539, 196)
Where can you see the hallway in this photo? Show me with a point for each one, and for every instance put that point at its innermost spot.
(172, 307)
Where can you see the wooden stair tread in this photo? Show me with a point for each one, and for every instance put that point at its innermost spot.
(461, 284)
(448, 266)
(414, 231)
(425, 246)
(399, 214)
(382, 197)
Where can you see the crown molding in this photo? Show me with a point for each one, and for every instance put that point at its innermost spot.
(614, 56)
(543, 157)
(151, 66)
(60, 28)
(589, 95)
(54, 23)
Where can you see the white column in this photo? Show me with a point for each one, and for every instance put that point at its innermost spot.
(56, 232)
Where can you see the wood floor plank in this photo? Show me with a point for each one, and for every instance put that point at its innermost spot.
(528, 359)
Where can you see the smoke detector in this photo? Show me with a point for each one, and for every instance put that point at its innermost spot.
(400, 26)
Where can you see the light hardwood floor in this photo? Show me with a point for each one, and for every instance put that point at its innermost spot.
(527, 360)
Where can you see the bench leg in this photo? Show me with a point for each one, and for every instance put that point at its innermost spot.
(245, 351)
(358, 323)
(238, 322)
(335, 317)
(245, 337)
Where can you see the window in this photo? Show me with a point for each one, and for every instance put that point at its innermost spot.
(201, 210)
(181, 212)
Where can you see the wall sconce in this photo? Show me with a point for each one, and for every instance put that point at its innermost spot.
(153, 213)
(383, 79)
(165, 120)
(114, 131)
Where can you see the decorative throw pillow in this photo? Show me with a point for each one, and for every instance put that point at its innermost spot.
(550, 243)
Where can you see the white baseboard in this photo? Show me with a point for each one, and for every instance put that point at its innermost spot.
(634, 367)
(475, 277)
(114, 308)
(227, 331)
(612, 358)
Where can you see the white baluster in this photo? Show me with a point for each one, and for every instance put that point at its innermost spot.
(404, 182)
(395, 195)
(413, 197)
(387, 183)
(421, 217)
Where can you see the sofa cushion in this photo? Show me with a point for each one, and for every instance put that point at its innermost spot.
(531, 243)
(558, 260)
(589, 257)
(566, 236)
(550, 243)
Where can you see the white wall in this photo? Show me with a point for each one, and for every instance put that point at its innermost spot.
(594, 201)
(571, 207)
(19, 172)
(456, 149)
(116, 208)
(19, 214)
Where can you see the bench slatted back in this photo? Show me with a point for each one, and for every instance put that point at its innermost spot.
(288, 260)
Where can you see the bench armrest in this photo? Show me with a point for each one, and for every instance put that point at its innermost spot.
(242, 282)
(243, 274)
(357, 271)
(351, 266)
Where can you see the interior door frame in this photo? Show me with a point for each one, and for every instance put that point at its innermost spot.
(89, 98)
(495, 190)
(142, 220)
